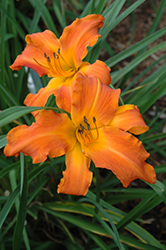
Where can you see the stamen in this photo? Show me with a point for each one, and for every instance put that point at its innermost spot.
(40, 64)
(62, 57)
(80, 131)
(85, 135)
(85, 120)
(85, 132)
(54, 64)
(57, 64)
(82, 127)
(94, 121)
(88, 125)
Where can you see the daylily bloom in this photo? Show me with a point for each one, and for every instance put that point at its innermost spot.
(96, 131)
(61, 59)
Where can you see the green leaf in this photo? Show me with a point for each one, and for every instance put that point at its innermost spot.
(98, 241)
(5, 210)
(113, 232)
(135, 48)
(119, 74)
(12, 21)
(9, 115)
(60, 12)
(156, 95)
(3, 141)
(158, 17)
(45, 15)
(22, 210)
(160, 188)
(7, 169)
(97, 229)
(12, 198)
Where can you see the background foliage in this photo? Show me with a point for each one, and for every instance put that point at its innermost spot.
(33, 215)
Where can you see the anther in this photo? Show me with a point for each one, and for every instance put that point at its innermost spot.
(59, 51)
(45, 55)
(88, 125)
(54, 54)
(94, 119)
(48, 59)
(85, 120)
(82, 127)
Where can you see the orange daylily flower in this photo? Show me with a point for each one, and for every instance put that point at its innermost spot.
(97, 131)
(61, 59)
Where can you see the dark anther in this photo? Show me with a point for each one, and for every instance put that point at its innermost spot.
(85, 120)
(48, 59)
(57, 56)
(53, 54)
(82, 127)
(59, 51)
(94, 119)
(45, 55)
(80, 131)
(88, 126)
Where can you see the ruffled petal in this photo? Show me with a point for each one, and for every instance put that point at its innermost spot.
(122, 153)
(78, 36)
(77, 177)
(40, 99)
(128, 117)
(98, 69)
(91, 99)
(38, 44)
(52, 134)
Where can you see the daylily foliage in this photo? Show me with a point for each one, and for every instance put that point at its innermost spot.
(96, 131)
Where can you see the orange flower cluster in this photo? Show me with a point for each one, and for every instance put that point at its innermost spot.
(98, 127)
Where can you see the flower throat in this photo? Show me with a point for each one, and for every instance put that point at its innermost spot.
(55, 65)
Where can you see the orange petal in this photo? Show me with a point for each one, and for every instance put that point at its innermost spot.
(77, 177)
(78, 36)
(64, 94)
(40, 99)
(63, 98)
(122, 153)
(37, 45)
(52, 134)
(128, 117)
(98, 69)
(91, 99)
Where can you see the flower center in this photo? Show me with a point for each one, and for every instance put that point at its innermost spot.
(55, 63)
(86, 134)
